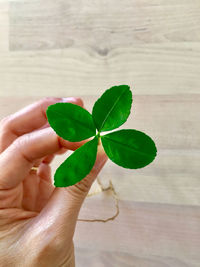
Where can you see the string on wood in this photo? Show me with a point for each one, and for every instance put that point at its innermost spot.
(115, 197)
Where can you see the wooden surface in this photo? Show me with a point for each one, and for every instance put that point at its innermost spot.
(63, 48)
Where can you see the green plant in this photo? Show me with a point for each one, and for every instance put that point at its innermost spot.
(127, 148)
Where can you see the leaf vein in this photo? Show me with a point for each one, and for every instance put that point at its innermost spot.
(129, 147)
(103, 123)
(80, 122)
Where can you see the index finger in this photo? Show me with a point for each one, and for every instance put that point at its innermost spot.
(28, 119)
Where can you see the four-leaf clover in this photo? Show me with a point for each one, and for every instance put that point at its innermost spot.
(127, 148)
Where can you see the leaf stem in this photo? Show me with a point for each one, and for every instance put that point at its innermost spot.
(99, 138)
(98, 134)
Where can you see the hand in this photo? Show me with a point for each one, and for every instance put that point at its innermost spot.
(37, 220)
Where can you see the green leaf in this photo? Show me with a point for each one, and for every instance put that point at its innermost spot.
(77, 165)
(130, 149)
(112, 109)
(70, 121)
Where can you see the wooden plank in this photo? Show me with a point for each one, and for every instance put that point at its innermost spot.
(103, 258)
(4, 26)
(144, 234)
(102, 25)
(149, 69)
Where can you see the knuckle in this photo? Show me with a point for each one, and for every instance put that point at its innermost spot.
(19, 143)
(22, 140)
(83, 186)
(5, 122)
(79, 190)
(22, 144)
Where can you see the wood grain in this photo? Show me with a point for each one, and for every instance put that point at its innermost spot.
(148, 69)
(144, 234)
(102, 25)
(64, 48)
(4, 26)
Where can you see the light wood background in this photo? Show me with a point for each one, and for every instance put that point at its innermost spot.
(65, 47)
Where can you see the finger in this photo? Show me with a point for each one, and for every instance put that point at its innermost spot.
(61, 151)
(48, 159)
(80, 190)
(64, 204)
(28, 119)
(26, 150)
(30, 191)
(37, 188)
(44, 172)
(45, 187)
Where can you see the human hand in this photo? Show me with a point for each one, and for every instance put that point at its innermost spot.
(37, 220)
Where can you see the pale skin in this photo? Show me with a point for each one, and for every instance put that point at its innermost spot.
(37, 220)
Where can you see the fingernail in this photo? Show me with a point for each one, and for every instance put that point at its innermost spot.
(68, 99)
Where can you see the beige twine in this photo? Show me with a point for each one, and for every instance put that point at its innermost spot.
(102, 189)
(111, 188)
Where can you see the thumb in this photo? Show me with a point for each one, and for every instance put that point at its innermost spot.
(64, 205)
(78, 192)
